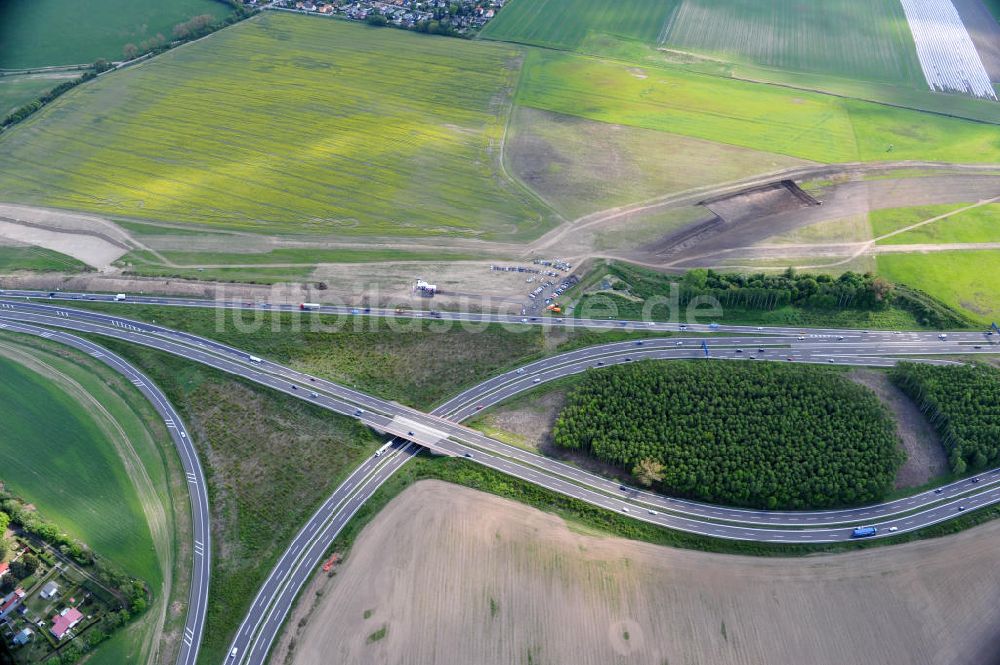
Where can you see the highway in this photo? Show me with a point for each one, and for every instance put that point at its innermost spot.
(194, 626)
(446, 435)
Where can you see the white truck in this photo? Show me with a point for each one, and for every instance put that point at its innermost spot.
(120, 297)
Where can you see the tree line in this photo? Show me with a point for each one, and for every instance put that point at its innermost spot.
(760, 435)
(963, 403)
(768, 292)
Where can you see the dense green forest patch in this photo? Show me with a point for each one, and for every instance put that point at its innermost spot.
(963, 403)
(848, 300)
(763, 435)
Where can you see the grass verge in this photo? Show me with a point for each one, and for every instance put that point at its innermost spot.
(269, 460)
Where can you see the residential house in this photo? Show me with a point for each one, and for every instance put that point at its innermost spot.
(4, 567)
(10, 602)
(50, 590)
(62, 622)
(23, 637)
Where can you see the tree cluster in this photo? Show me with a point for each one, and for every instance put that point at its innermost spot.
(963, 404)
(761, 435)
(194, 27)
(763, 291)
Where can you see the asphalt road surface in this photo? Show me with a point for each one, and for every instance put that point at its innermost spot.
(445, 435)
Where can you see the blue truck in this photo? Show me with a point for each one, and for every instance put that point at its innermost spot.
(863, 531)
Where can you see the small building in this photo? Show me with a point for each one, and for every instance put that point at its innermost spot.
(50, 590)
(4, 567)
(64, 621)
(11, 601)
(23, 637)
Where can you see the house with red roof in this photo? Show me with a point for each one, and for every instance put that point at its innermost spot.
(4, 567)
(11, 601)
(62, 622)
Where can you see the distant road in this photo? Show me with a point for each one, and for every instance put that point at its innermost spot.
(201, 532)
(445, 435)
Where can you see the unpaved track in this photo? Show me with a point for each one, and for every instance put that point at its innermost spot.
(428, 567)
(842, 201)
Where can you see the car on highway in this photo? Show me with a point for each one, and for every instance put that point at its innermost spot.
(893, 528)
(678, 343)
(939, 490)
(480, 406)
(359, 412)
(639, 343)
(536, 380)
(468, 455)
(739, 350)
(760, 349)
(943, 336)
(294, 387)
(801, 338)
(624, 509)
(232, 654)
(975, 479)
(520, 370)
(961, 508)
(313, 395)
(652, 512)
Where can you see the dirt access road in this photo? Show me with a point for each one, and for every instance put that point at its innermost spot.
(449, 575)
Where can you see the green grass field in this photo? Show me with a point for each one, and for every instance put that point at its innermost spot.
(44, 33)
(980, 224)
(862, 40)
(73, 468)
(55, 455)
(38, 259)
(15, 91)
(349, 138)
(762, 117)
(565, 24)
(960, 279)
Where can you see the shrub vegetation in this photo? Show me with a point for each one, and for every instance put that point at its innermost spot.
(762, 435)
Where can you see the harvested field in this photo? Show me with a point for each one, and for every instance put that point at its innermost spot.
(580, 166)
(864, 40)
(447, 570)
